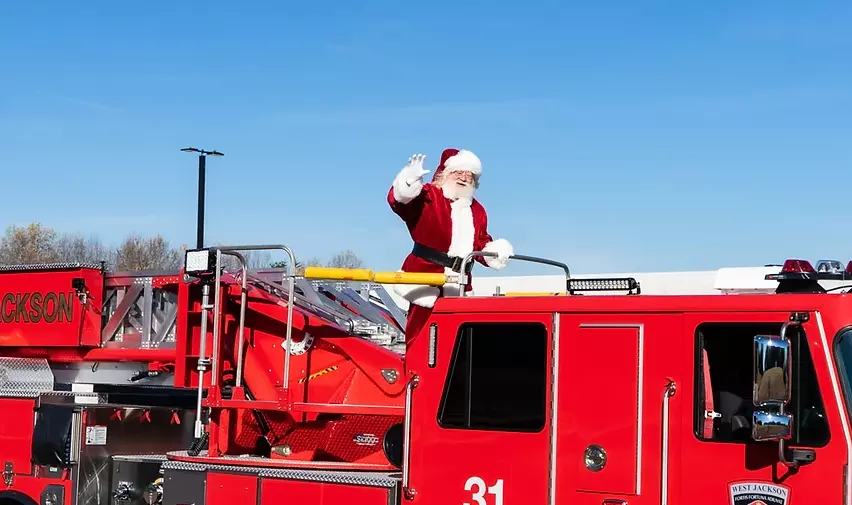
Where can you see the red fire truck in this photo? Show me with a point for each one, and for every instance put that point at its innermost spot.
(215, 386)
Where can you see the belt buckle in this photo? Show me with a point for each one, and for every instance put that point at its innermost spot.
(456, 266)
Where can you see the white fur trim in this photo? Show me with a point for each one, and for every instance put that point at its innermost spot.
(464, 161)
(417, 294)
(503, 249)
(404, 188)
(461, 243)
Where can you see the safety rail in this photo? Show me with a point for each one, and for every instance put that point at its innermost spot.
(289, 276)
(421, 278)
(464, 278)
(333, 312)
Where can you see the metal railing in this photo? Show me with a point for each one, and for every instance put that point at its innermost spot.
(289, 276)
(464, 278)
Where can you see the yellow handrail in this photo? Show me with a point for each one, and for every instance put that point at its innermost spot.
(365, 275)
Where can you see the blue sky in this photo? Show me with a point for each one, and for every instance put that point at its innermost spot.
(615, 136)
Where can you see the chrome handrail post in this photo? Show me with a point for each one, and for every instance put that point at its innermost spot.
(216, 309)
(241, 327)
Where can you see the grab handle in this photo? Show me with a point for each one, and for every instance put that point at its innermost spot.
(463, 277)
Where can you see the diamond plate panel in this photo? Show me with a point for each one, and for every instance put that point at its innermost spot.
(25, 375)
(149, 458)
(184, 466)
(372, 479)
(360, 478)
(48, 266)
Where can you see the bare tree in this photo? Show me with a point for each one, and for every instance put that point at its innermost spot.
(346, 259)
(310, 262)
(255, 260)
(137, 253)
(76, 248)
(36, 243)
(300, 264)
(28, 245)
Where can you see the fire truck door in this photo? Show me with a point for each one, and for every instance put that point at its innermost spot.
(719, 461)
(610, 394)
(480, 411)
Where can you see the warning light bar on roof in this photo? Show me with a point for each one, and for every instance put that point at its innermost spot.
(606, 284)
(798, 269)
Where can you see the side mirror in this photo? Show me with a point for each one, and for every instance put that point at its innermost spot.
(772, 388)
(772, 379)
(769, 426)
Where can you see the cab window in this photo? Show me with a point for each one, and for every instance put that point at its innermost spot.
(843, 351)
(724, 383)
(497, 379)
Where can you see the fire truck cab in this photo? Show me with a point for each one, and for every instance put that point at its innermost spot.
(636, 399)
(241, 388)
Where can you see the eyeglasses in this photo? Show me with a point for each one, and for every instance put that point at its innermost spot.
(463, 175)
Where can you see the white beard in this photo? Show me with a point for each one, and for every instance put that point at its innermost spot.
(455, 192)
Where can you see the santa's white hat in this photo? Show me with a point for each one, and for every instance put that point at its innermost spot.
(459, 160)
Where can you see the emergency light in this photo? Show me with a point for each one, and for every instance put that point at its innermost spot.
(829, 267)
(800, 266)
(199, 261)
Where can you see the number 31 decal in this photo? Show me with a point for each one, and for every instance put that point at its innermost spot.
(479, 488)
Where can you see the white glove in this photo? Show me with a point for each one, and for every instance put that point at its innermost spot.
(504, 251)
(414, 170)
(409, 181)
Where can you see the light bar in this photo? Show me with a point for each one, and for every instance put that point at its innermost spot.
(797, 273)
(607, 284)
(199, 261)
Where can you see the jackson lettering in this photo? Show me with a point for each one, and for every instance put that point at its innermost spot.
(50, 307)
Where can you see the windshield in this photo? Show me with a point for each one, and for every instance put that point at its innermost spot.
(843, 348)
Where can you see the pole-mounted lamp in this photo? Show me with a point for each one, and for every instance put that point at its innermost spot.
(202, 168)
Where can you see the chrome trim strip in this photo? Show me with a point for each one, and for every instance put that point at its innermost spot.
(671, 389)
(202, 358)
(838, 396)
(554, 409)
(406, 445)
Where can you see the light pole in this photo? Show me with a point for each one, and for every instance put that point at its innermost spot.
(202, 168)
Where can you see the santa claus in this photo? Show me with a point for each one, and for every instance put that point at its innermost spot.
(446, 223)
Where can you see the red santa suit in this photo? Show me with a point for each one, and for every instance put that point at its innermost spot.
(444, 230)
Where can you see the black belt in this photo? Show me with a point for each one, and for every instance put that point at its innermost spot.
(439, 258)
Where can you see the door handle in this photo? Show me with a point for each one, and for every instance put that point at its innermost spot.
(614, 502)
